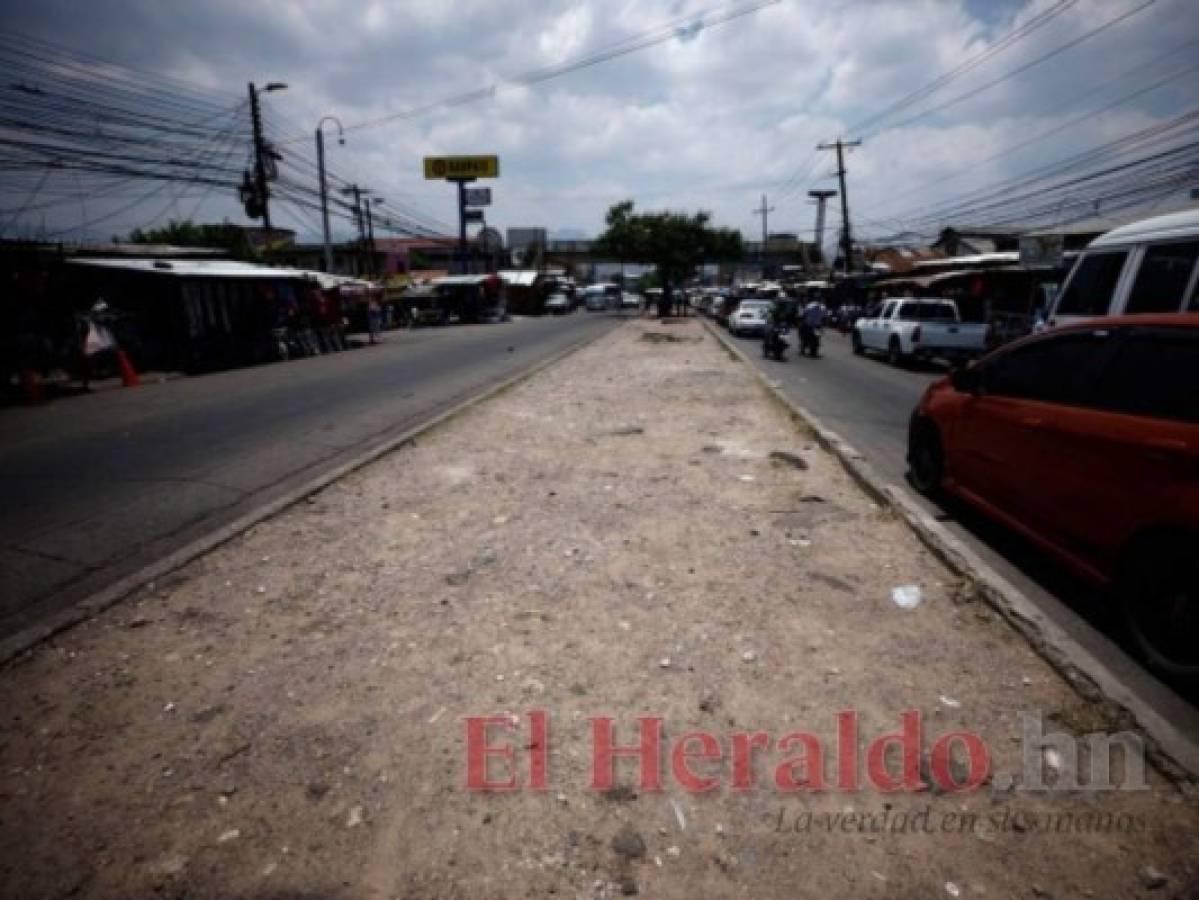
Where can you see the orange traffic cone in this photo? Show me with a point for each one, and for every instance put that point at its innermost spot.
(128, 373)
(31, 386)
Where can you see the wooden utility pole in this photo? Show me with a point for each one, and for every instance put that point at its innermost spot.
(764, 211)
(846, 238)
(260, 164)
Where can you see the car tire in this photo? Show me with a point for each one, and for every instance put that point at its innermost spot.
(895, 353)
(1158, 593)
(856, 341)
(926, 458)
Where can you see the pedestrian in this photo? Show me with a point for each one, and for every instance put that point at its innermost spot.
(96, 342)
(374, 319)
(665, 301)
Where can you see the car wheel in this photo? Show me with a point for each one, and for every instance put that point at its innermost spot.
(894, 353)
(858, 349)
(1158, 591)
(926, 459)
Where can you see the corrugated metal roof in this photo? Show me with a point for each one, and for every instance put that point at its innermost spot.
(328, 282)
(193, 268)
(1002, 258)
(462, 279)
(223, 268)
(519, 277)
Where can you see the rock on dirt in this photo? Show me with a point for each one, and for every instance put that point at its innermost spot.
(790, 459)
(1152, 879)
(628, 843)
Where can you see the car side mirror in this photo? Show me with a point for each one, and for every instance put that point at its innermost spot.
(967, 380)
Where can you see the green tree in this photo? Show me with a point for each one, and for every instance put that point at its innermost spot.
(186, 233)
(674, 243)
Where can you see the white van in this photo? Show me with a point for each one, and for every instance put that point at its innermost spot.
(1146, 267)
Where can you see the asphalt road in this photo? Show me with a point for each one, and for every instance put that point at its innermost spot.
(94, 487)
(868, 403)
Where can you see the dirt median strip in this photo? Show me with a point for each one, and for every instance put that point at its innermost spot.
(606, 550)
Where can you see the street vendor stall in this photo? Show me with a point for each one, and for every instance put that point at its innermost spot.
(351, 297)
(472, 298)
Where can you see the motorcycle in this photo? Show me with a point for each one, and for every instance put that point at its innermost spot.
(773, 345)
(809, 341)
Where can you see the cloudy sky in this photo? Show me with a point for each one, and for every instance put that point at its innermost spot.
(711, 118)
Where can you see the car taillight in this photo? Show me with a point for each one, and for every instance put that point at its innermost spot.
(916, 334)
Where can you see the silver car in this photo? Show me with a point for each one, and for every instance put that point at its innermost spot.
(749, 318)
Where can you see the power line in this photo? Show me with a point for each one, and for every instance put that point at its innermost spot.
(1012, 37)
(1063, 125)
(1019, 70)
(797, 182)
(645, 40)
(1030, 193)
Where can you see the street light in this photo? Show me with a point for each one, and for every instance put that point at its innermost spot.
(320, 162)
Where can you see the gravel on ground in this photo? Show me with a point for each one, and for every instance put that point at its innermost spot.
(636, 531)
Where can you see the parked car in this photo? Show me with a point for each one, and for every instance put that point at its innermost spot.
(749, 318)
(1146, 267)
(629, 300)
(919, 328)
(1085, 439)
(558, 304)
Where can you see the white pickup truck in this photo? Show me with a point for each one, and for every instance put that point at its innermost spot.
(919, 328)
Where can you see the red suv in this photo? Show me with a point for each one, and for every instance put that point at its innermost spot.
(1085, 439)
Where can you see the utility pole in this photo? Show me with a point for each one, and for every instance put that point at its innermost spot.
(254, 191)
(462, 246)
(370, 237)
(358, 220)
(320, 163)
(821, 198)
(846, 238)
(763, 211)
(259, 159)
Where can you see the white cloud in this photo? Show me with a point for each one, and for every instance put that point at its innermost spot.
(567, 35)
(710, 119)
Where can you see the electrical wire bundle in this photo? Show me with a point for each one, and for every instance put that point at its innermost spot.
(76, 130)
(1143, 166)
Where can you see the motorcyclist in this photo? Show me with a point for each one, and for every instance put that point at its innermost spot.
(778, 319)
(811, 321)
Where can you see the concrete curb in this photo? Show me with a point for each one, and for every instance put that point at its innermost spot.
(1171, 750)
(15, 644)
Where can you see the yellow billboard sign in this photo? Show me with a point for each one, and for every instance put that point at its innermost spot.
(453, 167)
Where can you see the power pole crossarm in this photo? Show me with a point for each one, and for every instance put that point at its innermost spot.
(846, 237)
